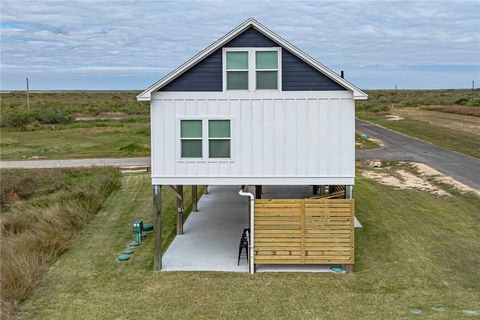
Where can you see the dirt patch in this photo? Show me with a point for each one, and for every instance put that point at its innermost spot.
(392, 117)
(457, 122)
(464, 110)
(404, 180)
(427, 171)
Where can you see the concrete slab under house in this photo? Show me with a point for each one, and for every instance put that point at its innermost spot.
(276, 129)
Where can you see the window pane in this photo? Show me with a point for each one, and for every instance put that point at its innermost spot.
(266, 59)
(191, 128)
(267, 79)
(191, 148)
(219, 148)
(237, 80)
(219, 128)
(237, 60)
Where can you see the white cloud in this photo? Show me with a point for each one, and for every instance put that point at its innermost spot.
(151, 37)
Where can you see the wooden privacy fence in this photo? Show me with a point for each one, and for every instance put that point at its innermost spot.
(308, 231)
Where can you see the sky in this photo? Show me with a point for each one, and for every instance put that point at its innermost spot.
(63, 45)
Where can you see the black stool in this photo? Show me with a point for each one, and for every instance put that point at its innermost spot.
(243, 245)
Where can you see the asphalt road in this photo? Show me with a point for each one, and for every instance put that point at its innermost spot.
(461, 167)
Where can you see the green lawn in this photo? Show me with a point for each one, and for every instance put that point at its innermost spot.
(455, 140)
(415, 250)
(87, 139)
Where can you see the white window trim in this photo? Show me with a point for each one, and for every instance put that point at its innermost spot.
(180, 139)
(205, 139)
(252, 75)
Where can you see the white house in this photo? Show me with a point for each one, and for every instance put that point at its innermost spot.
(252, 109)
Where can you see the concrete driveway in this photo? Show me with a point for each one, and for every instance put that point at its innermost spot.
(398, 146)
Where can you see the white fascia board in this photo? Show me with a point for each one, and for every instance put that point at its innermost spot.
(357, 93)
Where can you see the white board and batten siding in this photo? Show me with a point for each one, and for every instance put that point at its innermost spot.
(278, 138)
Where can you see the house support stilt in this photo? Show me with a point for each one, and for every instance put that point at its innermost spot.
(157, 218)
(258, 192)
(194, 199)
(180, 210)
(315, 190)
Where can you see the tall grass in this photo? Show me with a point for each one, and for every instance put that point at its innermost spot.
(382, 100)
(61, 107)
(40, 224)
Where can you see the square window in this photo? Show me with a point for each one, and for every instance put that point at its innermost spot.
(191, 148)
(191, 128)
(267, 80)
(219, 129)
(266, 60)
(237, 60)
(237, 80)
(219, 148)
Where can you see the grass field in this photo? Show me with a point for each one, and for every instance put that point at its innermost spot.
(49, 129)
(84, 139)
(456, 132)
(415, 250)
(41, 213)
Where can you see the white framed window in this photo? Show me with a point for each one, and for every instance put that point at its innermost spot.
(191, 139)
(236, 70)
(266, 69)
(205, 139)
(219, 139)
(252, 69)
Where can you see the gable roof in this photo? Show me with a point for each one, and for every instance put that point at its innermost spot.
(146, 95)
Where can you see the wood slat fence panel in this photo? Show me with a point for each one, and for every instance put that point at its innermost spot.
(309, 231)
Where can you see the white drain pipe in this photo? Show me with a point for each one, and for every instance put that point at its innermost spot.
(252, 215)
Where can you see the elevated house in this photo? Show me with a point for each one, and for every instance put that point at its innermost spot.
(253, 110)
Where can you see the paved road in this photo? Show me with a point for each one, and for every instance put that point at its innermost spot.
(397, 147)
(73, 163)
(463, 168)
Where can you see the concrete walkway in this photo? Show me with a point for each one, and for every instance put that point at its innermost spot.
(211, 236)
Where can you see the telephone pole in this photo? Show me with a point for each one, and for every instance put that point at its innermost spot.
(28, 98)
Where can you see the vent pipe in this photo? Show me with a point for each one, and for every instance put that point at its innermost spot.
(342, 74)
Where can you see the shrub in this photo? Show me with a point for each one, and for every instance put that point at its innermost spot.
(132, 147)
(21, 118)
(462, 101)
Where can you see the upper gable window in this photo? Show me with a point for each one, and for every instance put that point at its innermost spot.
(252, 69)
(266, 63)
(237, 70)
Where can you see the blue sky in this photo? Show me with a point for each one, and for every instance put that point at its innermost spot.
(131, 44)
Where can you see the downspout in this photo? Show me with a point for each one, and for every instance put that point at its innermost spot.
(252, 215)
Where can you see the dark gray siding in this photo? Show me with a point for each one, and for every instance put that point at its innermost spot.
(300, 76)
(296, 74)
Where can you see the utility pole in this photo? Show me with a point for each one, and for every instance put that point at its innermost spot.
(473, 89)
(396, 90)
(28, 98)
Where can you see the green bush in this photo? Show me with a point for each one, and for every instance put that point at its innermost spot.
(22, 118)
